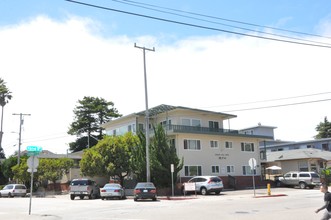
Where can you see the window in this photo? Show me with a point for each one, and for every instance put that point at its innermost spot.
(140, 127)
(191, 122)
(196, 123)
(325, 147)
(214, 125)
(303, 166)
(228, 144)
(192, 170)
(247, 147)
(230, 169)
(172, 143)
(248, 171)
(215, 169)
(192, 144)
(214, 144)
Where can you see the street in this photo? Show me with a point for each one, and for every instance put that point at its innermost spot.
(284, 203)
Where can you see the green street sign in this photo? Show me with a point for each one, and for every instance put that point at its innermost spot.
(34, 149)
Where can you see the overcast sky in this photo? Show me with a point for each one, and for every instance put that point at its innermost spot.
(53, 53)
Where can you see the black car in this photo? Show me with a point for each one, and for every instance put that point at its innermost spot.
(145, 190)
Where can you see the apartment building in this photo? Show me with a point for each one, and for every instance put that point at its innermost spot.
(200, 137)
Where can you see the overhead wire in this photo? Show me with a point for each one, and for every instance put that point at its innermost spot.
(213, 22)
(269, 100)
(198, 26)
(223, 19)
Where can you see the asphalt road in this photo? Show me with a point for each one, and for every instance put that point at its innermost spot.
(284, 203)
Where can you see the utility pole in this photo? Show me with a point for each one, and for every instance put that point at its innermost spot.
(20, 135)
(148, 175)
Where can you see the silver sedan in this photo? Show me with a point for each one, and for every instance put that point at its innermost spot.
(112, 190)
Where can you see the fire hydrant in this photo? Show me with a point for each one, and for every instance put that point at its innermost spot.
(269, 191)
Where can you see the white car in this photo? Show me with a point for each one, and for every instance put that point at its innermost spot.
(12, 190)
(112, 190)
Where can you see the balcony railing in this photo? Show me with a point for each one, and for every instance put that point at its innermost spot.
(198, 129)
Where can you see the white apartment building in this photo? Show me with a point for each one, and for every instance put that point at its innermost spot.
(201, 139)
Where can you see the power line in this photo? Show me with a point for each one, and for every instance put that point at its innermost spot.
(275, 106)
(198, 26)
(227, 25)
(219, 18)
(269, 100)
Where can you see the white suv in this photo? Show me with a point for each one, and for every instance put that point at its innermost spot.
(207, 184)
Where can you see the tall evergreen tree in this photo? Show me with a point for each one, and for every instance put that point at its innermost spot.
(323, 129)
(89, 115)
(5, 96)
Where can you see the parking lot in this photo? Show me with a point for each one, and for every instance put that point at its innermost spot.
(284, 203)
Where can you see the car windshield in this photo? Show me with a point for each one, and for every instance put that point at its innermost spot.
(145, 185)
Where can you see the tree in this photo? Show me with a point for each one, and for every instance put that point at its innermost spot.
(89, 115)
(53, 169)
(162, 155)
(323, 129)
(5, 96)
(6, 167)
(110, 157)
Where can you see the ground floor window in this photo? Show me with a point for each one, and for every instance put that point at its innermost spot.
(230, 169)
(248, 171)
(192, 170)
(215, 169)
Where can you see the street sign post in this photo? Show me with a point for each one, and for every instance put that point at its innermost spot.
(252, 164)
(33, 163)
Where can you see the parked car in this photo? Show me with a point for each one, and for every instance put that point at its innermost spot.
(301, 179)
(12, 190)
(112, 190)
(206, 184)
(84, 187)
(145, 190)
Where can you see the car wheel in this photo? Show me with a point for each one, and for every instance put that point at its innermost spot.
(102, 198)
(154, 199)
(72, 197)
(302, 185)
(0, 195)
(10, 195)
(217, 192)
(81, 197)
(135, 199)
(311, 187)
(203, 191)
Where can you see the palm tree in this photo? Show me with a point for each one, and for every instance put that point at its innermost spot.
(5, 96)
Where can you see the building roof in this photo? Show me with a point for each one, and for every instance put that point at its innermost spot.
(301, 142)
(166, 108)
(297, 154)
(259, 126)
(50, 155)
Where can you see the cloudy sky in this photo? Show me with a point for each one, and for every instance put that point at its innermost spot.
(53, 53)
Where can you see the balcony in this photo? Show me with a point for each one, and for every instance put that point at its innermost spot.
(198, 129)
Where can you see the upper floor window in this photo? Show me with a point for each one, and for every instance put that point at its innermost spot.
(228, 144)
(191, 122)
(214, 125)
(247, 147)
(192, 144)
(214, 144)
